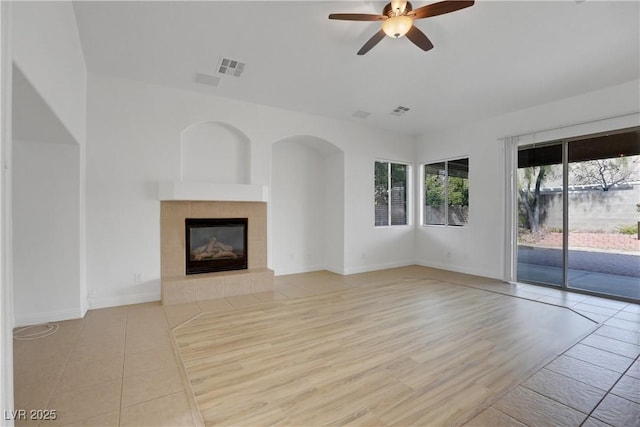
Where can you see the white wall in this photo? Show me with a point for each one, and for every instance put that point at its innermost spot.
(46, 47)
(213, 152)
(306, 182)
(46, 248)
(46, 50)
(133, 136)
(6, 274)
(479, 248)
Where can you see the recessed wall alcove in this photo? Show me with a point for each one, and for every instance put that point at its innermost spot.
(307, 205)
(215, 152)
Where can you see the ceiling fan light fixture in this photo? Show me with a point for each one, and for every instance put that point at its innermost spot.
(397, 26)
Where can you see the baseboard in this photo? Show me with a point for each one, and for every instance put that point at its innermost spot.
(375, 267)
(114, 301)
(458, 269)
(299, 269)
(50, 316)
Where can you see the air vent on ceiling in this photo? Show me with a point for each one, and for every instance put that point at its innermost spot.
(206, 79)
(361, 114)
(399, 110)
(231, 67)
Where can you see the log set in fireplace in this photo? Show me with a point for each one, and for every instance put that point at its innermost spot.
(215, 244)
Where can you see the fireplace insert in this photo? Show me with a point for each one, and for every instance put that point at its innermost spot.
(215, 244)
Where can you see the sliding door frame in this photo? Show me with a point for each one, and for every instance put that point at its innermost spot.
(511, 157)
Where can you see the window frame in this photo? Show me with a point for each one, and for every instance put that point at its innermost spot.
(408, 192)
(422, 187)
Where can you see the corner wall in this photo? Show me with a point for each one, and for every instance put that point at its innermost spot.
(50, 107)
(479, 247)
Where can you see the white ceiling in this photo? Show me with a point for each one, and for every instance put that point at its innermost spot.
(489, 59)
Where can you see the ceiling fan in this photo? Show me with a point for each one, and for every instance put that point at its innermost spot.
(398, 17)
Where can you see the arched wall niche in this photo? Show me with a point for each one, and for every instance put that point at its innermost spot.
(215, 152)
(307, 205)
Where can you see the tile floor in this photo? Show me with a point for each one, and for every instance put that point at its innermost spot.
(117, 366)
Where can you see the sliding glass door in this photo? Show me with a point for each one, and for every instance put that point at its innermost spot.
(603, 213)
(578, 214)
(540, 199)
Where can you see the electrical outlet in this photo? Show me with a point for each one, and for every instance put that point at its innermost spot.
(137, 277)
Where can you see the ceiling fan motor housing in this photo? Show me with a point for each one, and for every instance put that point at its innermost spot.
(388, 9)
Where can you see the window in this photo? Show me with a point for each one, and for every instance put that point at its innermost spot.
(446, 193)
(390, 193)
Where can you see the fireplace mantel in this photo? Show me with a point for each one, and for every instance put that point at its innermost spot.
(206, 191)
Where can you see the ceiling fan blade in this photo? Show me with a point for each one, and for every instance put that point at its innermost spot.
(371, 42)
(419, 38)
(439, 8)
(357, 17)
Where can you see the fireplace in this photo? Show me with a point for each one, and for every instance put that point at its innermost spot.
(215, 244)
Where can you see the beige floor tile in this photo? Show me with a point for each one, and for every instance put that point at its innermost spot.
(599, 357)
(491, 417)
(612, 345)
(142, 343)
(599, 318)
(87, 374)
(32, 396)
(592, 422)
(180, 313)
(595, 376)
(632, 308)
(534, 409)
(626, 315)
(565, 390)
(150, 360)
(242, 300)
(623, 324)
(617, 411)
(38, 372)
(607, 303)
(151, 385)
(214, 305)
(141, 332)
(556, 301)
(629, 388)
(82, 403)
(634, 370)
(619, 334)
(105, 420)
(172, 410)
(604, 311)
(98, 351)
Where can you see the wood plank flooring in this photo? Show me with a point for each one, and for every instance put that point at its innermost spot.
(404, 352)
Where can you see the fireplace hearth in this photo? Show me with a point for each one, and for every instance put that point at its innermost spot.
(215, 244)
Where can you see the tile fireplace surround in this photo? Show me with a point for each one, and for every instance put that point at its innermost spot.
(177, 287)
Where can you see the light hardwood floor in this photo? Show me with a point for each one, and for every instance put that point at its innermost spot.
(409, 346)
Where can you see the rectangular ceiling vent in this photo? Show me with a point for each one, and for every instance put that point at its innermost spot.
(399, 110)
(231, 67)
(206, 79)
(361, 114)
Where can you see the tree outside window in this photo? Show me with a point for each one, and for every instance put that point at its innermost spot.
(446, 193)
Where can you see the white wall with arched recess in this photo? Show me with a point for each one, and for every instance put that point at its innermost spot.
(307, 205)
(215, 152)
